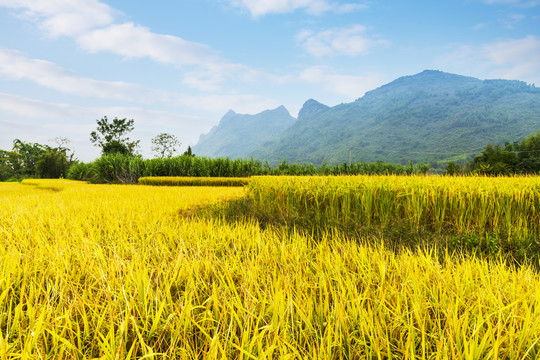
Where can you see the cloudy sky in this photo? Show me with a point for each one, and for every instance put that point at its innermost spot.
(178, 66)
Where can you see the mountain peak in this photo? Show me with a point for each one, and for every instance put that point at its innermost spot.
(428, 72)
(229, 114)
(427, 81)
(228, 117)
(237, 135)
(279, 110)
(311, 107)
(436, 75)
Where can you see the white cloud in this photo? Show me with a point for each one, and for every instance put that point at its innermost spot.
(350, 86)
(24, 107)
(15, 65)
(10, 124)
(480, 26)
(263, 7)
(348, 8)
(351, 41)
(209, 79)
(136, 41)
(31, 108)
(91, 24)
(518, 3)
(203, 81)
(204, 69)
(510, 59)
(515, 58)
(512, 19)
(63, 17)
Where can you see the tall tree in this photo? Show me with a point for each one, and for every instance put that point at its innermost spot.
(28, 155)
(189, 152)
(112, 137)
(62, 146)
(165, 145)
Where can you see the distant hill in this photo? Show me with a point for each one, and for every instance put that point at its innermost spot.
(312, 108)
(238, 135)
(429, 117)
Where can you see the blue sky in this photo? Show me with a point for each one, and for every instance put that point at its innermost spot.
(179, 66)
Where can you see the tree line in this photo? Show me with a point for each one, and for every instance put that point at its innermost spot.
(520, 157)
(28, 159)
(120, 163)
(31, 160)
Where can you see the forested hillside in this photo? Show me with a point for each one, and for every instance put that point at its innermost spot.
(431, 117)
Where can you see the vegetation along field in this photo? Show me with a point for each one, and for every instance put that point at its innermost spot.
(357, 267)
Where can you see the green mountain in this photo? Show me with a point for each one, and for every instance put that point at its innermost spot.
(428, 117)
(238, 135)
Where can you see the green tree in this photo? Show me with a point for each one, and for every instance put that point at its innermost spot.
(452, 169)
(116, 147)
(165, 145)
(52, 164)
(24, 164)
(30, 159)
(518, 158)
(111, 137)
(62, 145)
(496, 160)
(188, 152)
(529, 154)
(6, 168)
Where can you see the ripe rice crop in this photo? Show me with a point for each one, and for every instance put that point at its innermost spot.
(509, 208)
(193, 181)
(52, 184)
(115, 272)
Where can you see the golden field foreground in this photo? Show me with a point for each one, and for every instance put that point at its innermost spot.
(119, 272)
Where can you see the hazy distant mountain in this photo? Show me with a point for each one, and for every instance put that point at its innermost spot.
(238, 135)
(311, 108)
(425, 117)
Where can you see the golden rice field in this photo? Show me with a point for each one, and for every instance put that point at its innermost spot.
(506, 208)
(132, 272)
(193, 181)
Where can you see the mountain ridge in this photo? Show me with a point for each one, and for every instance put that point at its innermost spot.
(432, 116)
(238, 135)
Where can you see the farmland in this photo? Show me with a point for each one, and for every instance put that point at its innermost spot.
(193, 181)
(132, 271)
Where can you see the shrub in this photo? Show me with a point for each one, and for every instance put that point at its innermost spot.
(81, 171)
